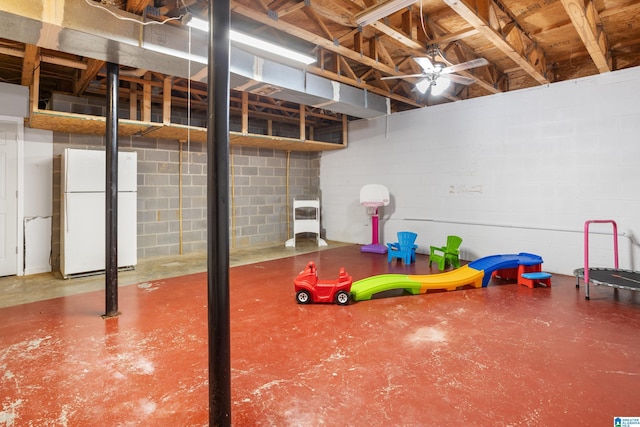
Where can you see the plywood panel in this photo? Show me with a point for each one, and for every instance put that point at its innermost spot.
(82, 124)
(95, 125)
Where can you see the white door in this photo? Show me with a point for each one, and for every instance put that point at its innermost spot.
(8, 198)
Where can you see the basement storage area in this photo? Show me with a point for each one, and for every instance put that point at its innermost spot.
(508, 123)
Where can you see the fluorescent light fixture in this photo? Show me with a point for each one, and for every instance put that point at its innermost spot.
(195, 22)
(272, 48)
(252, 42)
(381, 10)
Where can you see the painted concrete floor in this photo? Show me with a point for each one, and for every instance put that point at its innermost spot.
(504, 355)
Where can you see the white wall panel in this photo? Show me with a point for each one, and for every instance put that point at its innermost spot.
(512, 172)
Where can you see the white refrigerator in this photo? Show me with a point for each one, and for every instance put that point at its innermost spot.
(82, 228)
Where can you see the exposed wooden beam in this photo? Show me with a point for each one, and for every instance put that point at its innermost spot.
(316, 19)
(303, 125)
(166, 100)
(512, 41)
(133, 101)
(629, 8)
(381, 52)
(87, 76)
(136, 6)
(282, 11)
(34, 89)
(587, 23)
(245, 113)
(455, 36)
(397, 35)
(29, 63)
(146, 99)
(322, 42)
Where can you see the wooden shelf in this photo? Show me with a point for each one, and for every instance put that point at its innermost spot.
(96, 125)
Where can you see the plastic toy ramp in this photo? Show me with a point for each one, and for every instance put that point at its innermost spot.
(492, 263)
(451, 280)
(363, 289)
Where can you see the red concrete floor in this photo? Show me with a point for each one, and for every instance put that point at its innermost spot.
(504, 355)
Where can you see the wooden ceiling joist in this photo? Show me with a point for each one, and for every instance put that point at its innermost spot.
(587, 23)
(512, 41)
(322, 42)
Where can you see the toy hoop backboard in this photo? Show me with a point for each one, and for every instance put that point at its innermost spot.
(374, 195)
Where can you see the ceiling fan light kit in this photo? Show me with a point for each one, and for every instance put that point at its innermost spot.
(438, 75)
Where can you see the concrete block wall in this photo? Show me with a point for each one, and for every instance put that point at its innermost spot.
(514, 172)
(258, 184)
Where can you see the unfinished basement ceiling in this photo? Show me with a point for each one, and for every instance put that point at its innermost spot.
(526, 44)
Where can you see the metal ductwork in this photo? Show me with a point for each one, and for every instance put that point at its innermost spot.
(257, 75)
(74, 27)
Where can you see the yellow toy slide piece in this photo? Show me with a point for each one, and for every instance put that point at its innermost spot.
(451, 279)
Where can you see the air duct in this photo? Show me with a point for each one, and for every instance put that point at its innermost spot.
(72, 27)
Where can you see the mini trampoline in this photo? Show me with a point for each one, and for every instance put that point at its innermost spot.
(612, 277)
(621, 279)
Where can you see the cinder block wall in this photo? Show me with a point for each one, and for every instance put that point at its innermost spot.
(514, 172)
(258, 193)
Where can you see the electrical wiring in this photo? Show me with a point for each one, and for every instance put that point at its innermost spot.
(124, 18)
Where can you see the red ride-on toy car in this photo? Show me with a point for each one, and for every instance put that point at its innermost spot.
(310, 289)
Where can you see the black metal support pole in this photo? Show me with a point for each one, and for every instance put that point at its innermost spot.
(218, 215)
(111, 194)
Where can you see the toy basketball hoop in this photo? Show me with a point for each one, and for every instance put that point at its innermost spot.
(373, 196)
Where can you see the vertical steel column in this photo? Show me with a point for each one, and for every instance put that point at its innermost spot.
(218, 215)
(111, 194)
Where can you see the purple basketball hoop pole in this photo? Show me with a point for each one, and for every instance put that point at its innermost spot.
(375, 247)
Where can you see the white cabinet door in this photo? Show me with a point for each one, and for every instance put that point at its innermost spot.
(8, 198)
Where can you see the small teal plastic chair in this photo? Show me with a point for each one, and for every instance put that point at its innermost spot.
(404, 248)
(447, 254)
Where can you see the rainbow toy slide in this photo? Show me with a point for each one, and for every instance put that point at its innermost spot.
(477, 273)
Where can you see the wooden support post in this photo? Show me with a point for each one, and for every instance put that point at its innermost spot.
(166, 101)
(245, 113)
(133, 101)
(146, 99)
(303, 125)
(345, 130)
(34, 88)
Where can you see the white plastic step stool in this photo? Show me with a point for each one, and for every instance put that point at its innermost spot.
(306, 219)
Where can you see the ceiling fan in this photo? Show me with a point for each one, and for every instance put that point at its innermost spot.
(437, 72)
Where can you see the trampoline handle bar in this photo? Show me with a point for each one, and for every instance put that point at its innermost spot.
(586, 247)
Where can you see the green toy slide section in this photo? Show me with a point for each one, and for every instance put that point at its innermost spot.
(363, 289)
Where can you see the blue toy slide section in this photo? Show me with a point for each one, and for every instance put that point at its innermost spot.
(492, 263)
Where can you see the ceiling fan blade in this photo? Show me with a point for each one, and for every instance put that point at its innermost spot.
(404, 76)
(459, 79)
(425, 63)
(478, 62)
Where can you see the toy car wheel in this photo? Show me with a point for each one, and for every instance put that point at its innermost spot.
(303, 297)
(342, 298)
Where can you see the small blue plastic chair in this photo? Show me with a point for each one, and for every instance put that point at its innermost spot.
(404, 249)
